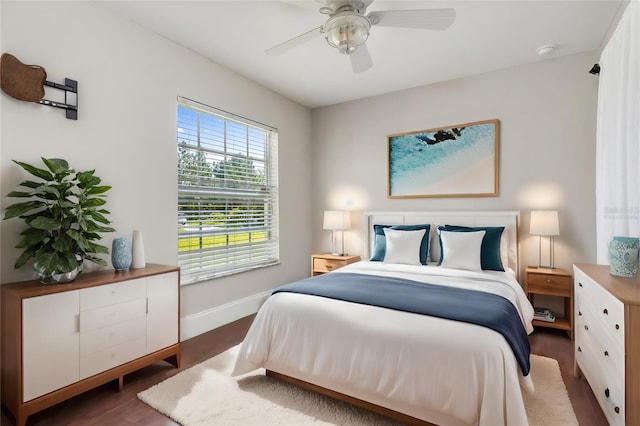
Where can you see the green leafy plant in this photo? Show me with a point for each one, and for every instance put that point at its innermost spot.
(64, 217)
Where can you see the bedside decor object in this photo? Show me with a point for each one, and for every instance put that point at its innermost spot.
(545, 223)
(455, 161)
(334, 221)
(623, 256)
(64, 215)
(137, 249)
(121, 254)
(26, 83)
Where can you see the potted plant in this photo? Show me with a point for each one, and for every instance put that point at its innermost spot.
(64, 218)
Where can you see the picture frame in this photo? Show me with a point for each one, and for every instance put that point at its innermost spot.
(460, 160)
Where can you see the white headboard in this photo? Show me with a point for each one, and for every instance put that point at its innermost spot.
(508, 219)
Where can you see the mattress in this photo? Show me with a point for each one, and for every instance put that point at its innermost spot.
(438, 370)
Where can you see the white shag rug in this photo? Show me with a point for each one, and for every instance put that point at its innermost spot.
(206, 395)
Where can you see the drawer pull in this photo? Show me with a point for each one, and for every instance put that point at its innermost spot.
(329, 267)
(579, 284)
(586, 327)
(617, 326)
(606, 312)
(579, 349)
(617, 410)
(548, 280)
(606, 392)
(606, 353)
(580, 313)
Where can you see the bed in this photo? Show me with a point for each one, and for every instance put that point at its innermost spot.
(416, 367)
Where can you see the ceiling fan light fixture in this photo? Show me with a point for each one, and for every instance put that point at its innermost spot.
(346, 31)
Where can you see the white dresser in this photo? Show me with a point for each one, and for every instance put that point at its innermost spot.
(59, 340)
(607, 340)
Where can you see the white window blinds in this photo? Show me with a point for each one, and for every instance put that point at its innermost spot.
(227, 193)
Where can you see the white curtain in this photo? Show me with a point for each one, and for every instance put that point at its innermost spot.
(618, 135)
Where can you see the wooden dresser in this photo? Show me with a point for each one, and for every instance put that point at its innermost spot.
(607, 340)
(59, 340)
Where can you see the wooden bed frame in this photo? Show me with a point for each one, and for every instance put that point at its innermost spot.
(396, 415)
(508, 219)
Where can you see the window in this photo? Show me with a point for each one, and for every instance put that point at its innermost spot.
(227, 193)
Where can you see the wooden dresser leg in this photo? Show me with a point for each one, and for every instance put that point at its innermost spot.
(174, 359)
(576, 370)
(21, 418)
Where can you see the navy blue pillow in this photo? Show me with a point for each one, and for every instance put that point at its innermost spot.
(380, 243)
(489, 250)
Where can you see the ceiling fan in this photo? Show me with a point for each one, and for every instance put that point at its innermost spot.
(347, 28)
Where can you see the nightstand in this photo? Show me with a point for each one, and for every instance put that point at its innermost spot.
(552, 282)
(323, 263)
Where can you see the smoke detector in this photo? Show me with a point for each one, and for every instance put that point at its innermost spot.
(545, 50)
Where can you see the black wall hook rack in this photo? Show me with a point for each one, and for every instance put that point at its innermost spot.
(69, 86)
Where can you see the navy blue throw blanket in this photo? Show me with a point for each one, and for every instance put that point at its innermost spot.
(471, 306)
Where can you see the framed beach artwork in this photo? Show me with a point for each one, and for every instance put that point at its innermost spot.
(454, 161)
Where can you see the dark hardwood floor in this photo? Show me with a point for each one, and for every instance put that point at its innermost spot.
(104, 406)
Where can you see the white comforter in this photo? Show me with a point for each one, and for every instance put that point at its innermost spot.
(438, 370)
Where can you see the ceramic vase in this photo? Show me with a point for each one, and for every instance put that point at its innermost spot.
(138, 260)
(121, 254)
(623, 256)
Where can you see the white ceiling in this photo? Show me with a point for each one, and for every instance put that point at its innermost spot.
(486, 36)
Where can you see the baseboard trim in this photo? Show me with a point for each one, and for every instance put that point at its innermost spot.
(196, 324)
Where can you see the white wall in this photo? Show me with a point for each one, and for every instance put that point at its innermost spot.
(129, 79)
(547, 116)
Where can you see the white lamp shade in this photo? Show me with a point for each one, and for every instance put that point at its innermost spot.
(544, 222)
(336, 220)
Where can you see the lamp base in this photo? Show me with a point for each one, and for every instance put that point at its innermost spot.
(334, 244)
(552, 253)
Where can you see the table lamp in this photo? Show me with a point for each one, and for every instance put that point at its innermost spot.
(544, 223)
(336, 221)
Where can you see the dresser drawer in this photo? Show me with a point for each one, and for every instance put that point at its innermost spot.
(554, 285)
(112, 314)
(607, 386)
(607, 354)
(327, 265)
(96, 297)
(102, 338)
(602, 305)
(105, 359)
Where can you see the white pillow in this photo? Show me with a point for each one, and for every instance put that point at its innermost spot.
(504, 249)
(435, 249)
(461, 250)
(403, 246)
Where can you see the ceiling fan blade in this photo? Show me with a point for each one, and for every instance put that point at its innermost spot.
(430, 19)
(361, 59)
(294, 42)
